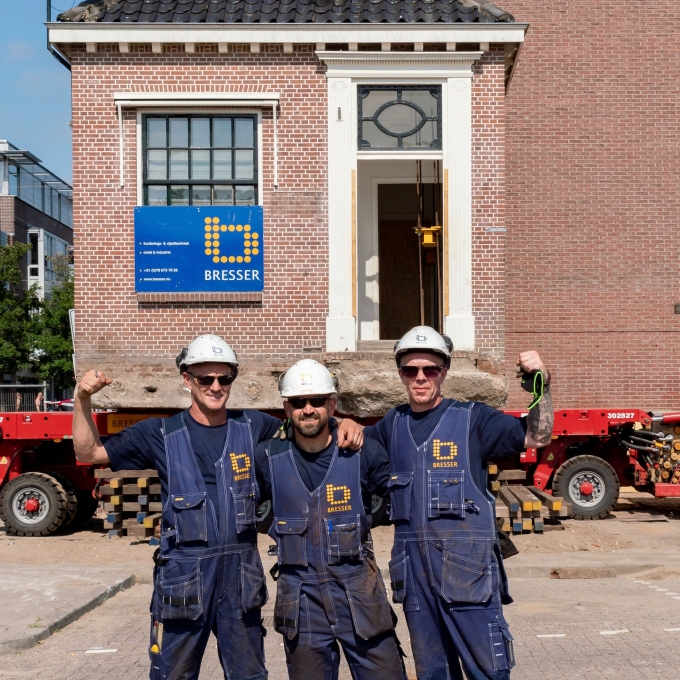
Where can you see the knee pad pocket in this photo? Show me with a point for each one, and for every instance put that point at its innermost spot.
(501, 641)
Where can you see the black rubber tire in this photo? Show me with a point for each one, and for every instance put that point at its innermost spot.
(56, 495)
(265, 517)
(71, 500)
(584, 464)
(380, 511)
(87, 506)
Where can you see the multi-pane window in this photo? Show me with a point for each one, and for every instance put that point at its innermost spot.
(400, 117)
(200, 160)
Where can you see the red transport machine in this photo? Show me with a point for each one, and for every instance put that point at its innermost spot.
(43, 489)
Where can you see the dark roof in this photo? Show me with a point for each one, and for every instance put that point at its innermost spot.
(287, 11)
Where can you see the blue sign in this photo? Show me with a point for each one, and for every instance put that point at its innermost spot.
(199, 249)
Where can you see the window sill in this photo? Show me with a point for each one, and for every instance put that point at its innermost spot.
(169, 298)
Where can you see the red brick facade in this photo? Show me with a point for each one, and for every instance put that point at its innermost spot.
(593, 209)
(290, 315)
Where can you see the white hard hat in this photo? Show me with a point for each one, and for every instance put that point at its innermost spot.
(204, 349)
(307, 378)
(424, 339)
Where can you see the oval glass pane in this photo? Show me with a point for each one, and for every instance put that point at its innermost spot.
(399, 118)
(377, 139)
(423, 99)
(424, 137)
(375, 99)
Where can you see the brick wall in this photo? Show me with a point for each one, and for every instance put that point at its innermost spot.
(291, 315)
(294, 305)
(488, 202)
(592, 202)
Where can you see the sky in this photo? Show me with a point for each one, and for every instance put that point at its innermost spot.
(35, 89)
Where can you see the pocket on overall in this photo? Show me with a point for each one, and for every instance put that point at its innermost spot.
(181, 599)
(287, 607)
(400, 495)
(466, 575)
(500, 639)
(253, 582)
(401, 582)
(343, 534)
(291, 540)
(445, 493)
(244, 507)
(371, 612)
(190, 517)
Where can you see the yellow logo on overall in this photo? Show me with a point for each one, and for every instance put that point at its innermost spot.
(438, 451)
(242, 471)
(338, 504)
(213, 228)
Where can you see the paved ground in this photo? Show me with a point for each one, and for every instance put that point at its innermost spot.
(589, 616)
(37, 600)
(627, 628)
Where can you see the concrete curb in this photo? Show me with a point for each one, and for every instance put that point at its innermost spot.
(29, 641)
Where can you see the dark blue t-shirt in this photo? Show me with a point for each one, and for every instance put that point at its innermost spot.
(141, 446)
(313, 467)
(493, 434)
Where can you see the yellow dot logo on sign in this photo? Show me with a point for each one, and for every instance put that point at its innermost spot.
(240, 462)
(332, 494)
(439, 447)
(212, 241)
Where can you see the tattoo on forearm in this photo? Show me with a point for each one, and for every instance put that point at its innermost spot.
(541, 418)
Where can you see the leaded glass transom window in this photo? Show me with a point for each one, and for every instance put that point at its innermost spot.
(400, 117)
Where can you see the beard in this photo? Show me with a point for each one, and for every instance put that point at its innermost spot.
(310, 427)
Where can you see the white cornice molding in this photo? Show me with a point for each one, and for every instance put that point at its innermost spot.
(191, 96)
(98, 33)
(408, 64)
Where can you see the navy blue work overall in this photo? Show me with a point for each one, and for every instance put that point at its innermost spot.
(209, 575)
(329, 588)
(446, 568)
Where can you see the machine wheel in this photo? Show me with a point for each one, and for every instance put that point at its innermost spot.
(71, 501)
(87, 506)
(380, 509)
(265, 517)
(33, 504)
(590, 484)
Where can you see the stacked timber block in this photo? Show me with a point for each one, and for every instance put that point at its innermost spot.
(524, 508)
(132, 501)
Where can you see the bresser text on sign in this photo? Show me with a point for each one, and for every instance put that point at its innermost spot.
(187, 249)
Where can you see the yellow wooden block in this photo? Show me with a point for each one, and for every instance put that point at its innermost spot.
(116, 500)
(492, 469)
(527, 524)
(536, 505)
(528, 506)
(116, 483)
(495, 486)
(506, 525)
(142, 483)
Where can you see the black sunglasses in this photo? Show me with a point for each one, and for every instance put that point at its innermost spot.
(208, 380)
(301, 402)
(430, 372)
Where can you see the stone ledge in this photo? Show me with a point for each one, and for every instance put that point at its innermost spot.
(170, 298)
(369, 383)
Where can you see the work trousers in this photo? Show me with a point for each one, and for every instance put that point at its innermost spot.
(444, 635)
(326, 620)
(182, 642)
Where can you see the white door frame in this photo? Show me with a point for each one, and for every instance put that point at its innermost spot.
(453, 70)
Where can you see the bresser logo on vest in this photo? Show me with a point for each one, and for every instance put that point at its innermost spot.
(444, 453)
(241, 470)
(338, 497)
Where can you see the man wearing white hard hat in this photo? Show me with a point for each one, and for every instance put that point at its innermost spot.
(208, 574)
(329, 588)
(446, 568)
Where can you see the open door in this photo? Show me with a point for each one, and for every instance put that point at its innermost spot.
(410, 263)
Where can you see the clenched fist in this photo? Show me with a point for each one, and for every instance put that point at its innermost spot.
(530, 361)
(92, 382)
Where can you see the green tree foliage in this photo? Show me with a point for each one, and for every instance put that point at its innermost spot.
(35, 334)
(16, 309)
(52, 344)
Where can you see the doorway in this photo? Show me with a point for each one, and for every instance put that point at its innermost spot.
(409, 275)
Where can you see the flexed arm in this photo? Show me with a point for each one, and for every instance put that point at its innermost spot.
(86, 442)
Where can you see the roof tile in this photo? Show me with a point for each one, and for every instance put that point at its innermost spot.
(285, 11)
